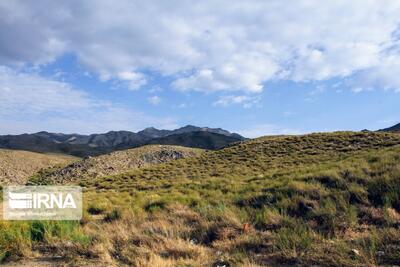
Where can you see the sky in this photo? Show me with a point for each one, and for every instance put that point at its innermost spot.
(252, 67)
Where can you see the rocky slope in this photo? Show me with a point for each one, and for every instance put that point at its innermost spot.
(117, 162)
(17, 166)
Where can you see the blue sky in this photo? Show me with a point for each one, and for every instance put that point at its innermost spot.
(257, 68)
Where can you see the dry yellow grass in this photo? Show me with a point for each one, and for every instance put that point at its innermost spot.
(16, 166)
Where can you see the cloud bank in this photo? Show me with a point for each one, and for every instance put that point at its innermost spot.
(210, 45)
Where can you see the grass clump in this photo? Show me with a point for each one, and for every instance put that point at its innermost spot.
(114, 215)
(295, 240)
(37, 230)
(95, 210)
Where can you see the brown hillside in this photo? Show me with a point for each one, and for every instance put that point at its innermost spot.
(16, 166)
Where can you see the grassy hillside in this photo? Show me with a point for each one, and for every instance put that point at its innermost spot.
(251, 158)
(313, 200)
(17, 166)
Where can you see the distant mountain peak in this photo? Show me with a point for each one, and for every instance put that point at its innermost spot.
(149, 130)
(192, 128)
(189, 127)
(394, 128)
(42, 132)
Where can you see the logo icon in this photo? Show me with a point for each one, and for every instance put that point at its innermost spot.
(20, 200)
(42, 203)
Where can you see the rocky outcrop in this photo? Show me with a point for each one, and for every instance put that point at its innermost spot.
(119, 161)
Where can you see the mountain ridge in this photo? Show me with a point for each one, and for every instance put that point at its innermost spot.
(97, 144)
(394, 128)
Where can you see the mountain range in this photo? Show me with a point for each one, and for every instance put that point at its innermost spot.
(96, 144)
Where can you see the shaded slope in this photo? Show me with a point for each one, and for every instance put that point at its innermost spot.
(41, 144)
(199, 139)
(395, 128)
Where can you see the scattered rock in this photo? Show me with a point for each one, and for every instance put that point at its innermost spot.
(120, 161)
(193, 241)
(380, 253)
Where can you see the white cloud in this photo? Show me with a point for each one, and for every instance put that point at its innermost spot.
(30, 93)
(208, 45)
(340, 60)
(135, 80)
(29, 102)
(267, 129)
(383, 76)
(244, 100)
(244, 73)
(154, 100)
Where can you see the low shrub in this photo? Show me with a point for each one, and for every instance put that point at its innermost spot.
(115, 214)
